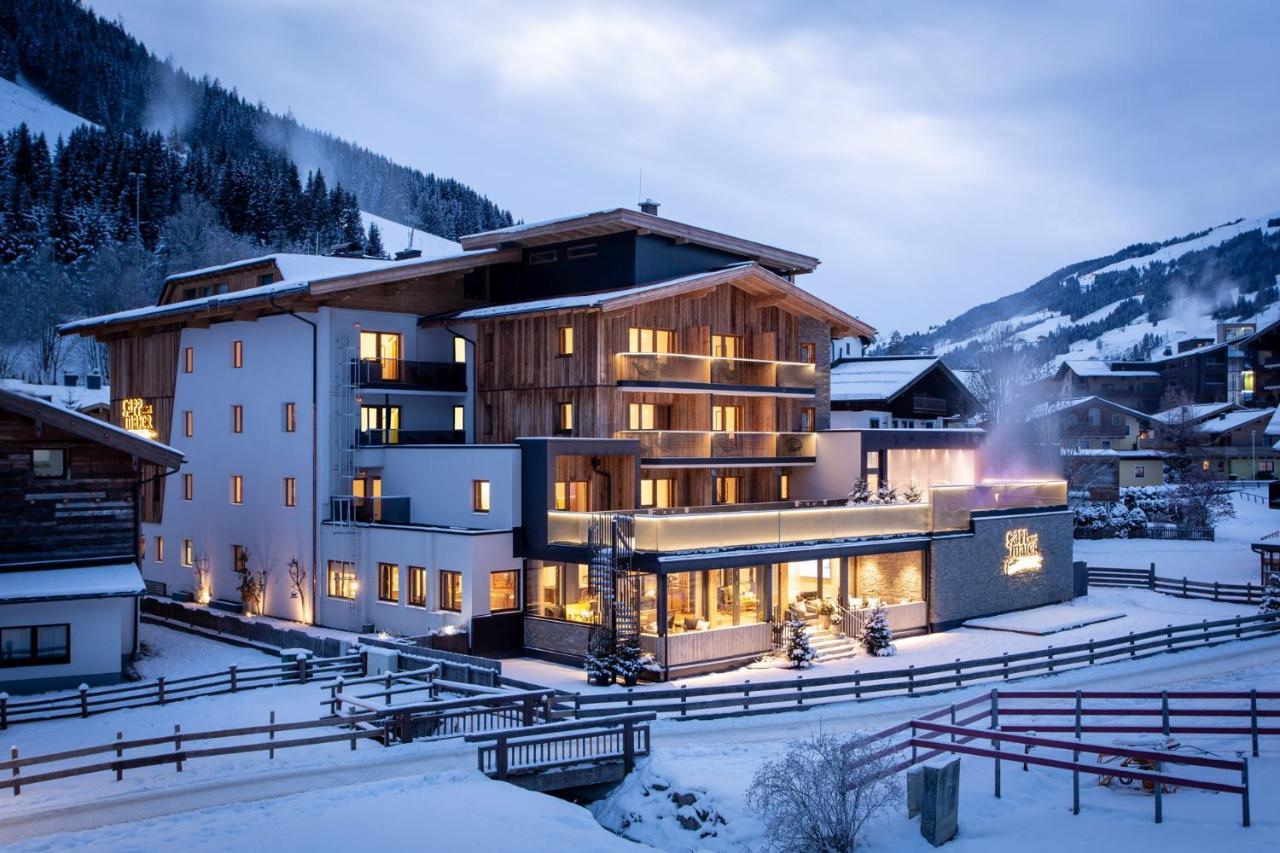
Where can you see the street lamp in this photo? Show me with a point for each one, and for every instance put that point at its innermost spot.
(137, 201)
(1253, 446)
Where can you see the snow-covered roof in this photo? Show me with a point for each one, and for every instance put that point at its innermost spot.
(1233, 420)
(291, 266)
(1091, 367)
(877, 378)
(120, 579)
(90, 427)
(1192, 412)
(77, 397)
(1273, 425)
(1094, 453)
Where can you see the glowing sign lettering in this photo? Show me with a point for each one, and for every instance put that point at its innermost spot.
(1022, 552)
(138, 417)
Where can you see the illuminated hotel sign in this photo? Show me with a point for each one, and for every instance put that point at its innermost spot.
(138, 417)
(1022, 552)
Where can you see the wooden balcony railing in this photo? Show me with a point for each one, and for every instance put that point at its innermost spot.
(706, 444)
(701, 372)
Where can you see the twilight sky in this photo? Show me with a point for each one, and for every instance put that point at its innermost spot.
(933, 155)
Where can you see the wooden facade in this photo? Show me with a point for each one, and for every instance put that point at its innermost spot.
(227, 280)
(146, 368)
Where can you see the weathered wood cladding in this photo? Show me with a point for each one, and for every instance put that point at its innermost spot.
(695, 486)
(87, 514)
(146, 366)
(611, 480)
(242, 278)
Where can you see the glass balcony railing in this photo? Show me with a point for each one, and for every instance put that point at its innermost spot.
(387, 509)
(399, 373)
(744, 525)
(655, 369)
(706, 444)
(384, 437)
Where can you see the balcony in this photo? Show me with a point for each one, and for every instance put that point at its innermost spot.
(692, 447)
(386, 437)
(386, 509)
(925, 404)
(694, 374)
(950, 508)
(397, 374)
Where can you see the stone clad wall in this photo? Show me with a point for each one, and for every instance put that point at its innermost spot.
(817, 332)
(562, 638)
(966, 572)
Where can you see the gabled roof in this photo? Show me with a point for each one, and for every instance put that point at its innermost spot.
(1053, 407)
(1234, 420)
(1192, 412)
(749, 276)
(1092, 367)
(621, 219)
(882, 378)
(1273, 425)
(91, 428)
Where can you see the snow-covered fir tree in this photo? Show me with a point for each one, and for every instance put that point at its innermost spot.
(860, 492)
(877, 637)
(631, 661)
(1271, 594)
(912, 493)
(601, 662)
(886, 494)
(799, 652)
(373, 242)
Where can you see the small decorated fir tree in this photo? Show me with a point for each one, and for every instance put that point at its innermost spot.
(886, 494)
(877, 638)
(1271, 594)
(860, 492)
(632, 661)
(912, 494)
(602, 658)
(799, 653)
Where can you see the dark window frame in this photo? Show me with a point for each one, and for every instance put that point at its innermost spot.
(33, 658)
(63, 474)
(446, 590)
(385, 588)
(516, 598)
(417, 583)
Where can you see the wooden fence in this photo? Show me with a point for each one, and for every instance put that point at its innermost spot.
(257, 632)
(163, 690)
(535, 749)
(1179, 532)
(791, 693)
(1231, 593)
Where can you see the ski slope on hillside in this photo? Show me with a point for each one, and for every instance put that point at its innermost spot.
(395, 237)
(19, 105)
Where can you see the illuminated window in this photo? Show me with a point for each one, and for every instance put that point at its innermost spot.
(565, 340)
(459, 418)
(726, 346)
(188, 553)
(188, 487)
(572, 496)
(380, 352)
(726, 418)
(189, 360)
(480, 495)
(451, 591)
(159, 549)
(503, 591)
(460, 350)
(290, 417)
(727, 489)
(641, 415)
(809, 353)
(48, 463)
(237, 353)
(417, 586)
(188, 423)
(649, 340)
(389, 582)
(237, 489)
(808, 419)
(1247, 377)
(237, 418)
(657, 493)
(784, 487)
(564, 418)
(290, 491)
(342, 580)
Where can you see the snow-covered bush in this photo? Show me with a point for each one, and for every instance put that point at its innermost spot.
(1271, 594)
(631, 661)
(877, 637)
(860, 492)
(912, 493)
(602, 658)
(886, 494)
(821, 792)
(798, 651)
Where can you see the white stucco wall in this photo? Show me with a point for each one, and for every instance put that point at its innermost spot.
(102, 634)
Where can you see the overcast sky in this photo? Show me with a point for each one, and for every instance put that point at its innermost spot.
(932, 155)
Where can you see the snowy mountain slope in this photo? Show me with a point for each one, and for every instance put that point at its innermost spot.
(396, 236)
(19, 105)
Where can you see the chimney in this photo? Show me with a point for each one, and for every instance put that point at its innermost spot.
(406, 254)
(649, 206)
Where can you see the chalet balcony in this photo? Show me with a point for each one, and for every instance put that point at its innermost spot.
(386, 509)
(691, 447)
(693, 374)
(930, 406)
(397, 374)
(388, 437)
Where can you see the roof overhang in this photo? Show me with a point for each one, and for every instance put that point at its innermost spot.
(90, 428)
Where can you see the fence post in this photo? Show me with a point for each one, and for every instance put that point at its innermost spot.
(1204, 627)
(959, 683)
(271, 735)
(1159, 802)
(1244, 798)
(119, 756)
(1004, 663)
(1215, 590)
(526, 715)
(1164, 711)
(387, 694)
(995, 744)
(746, 695)
(231, 670)
(1238, 629)
(857, 684)
(13, 755)
(683, 697)
(177, 745)
(1168, 642)
(1091, 651)
(1184, 586)
(500, 757)
(799, 689)
(302, 668)
(1132, 651)
(1151, 577)
(911, 680)
(953, 721)
(160, 689)
(1051, 658)
(1075, 754)
(84, 700)
(4, 711)
(335, 704)
(1253, 720)
(628, 747)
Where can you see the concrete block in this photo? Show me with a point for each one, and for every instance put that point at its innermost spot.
(940, 803)
(382, 660)
(915, 789)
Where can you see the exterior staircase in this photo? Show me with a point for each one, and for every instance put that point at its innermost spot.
(831, 644)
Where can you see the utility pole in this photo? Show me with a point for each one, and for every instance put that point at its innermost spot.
(1253, 442)
(137, 201)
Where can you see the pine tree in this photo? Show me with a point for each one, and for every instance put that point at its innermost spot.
(798, 651)
(886, 494)
(1271, 594)
(373, 243)
(601, 662)
(860, 492)
(912, 494)
(632, 660)
(877, 637)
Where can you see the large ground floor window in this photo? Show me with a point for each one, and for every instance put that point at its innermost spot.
(561, 591)
(887, 579)
(504, 591)
(716, 598)
(35, 645)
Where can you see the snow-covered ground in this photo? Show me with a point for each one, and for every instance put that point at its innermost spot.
(19, 105)
(1227, 559)
(174, 654)
(396, 235)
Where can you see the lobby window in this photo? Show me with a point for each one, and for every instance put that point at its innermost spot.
(460, 349)
(417, 586)
(480, 495)
(649, 340)
(503, 591)
(188, 553)
(809, 353)
(727, 489)
(35, 645)
(48, 463)
(451, 591)
(237, 353)
(188, 423)
(572, 496)
(726, 418)
(564, 340)
(159, 549)
(726, 346)
(564, 418)
(237, 418)
(290, 417)
(808, 419)
(189, 360)
(290, 491)
(237, 489)
(342, 580)
(188, 487)
(784, 487)
(389, 582)
(459, 418)
(657, 493)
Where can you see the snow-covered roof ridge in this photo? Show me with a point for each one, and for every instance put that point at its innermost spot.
(1097, 367)
(75, 397)
(1228, 421)
(877, 377)
(1192, 412)
(1051, 407)
(119, 579)
(89, 426)
(291, 265)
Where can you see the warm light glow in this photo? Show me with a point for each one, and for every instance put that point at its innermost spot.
(138, 417)
(1022, 551)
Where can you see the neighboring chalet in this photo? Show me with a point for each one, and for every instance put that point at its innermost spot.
(69, 565)
(1236, 445)
(1133, 387)
(460, 442)
(1105, 446)
(892, 392)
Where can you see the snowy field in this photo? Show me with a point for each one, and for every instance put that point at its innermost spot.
(1228, 559)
